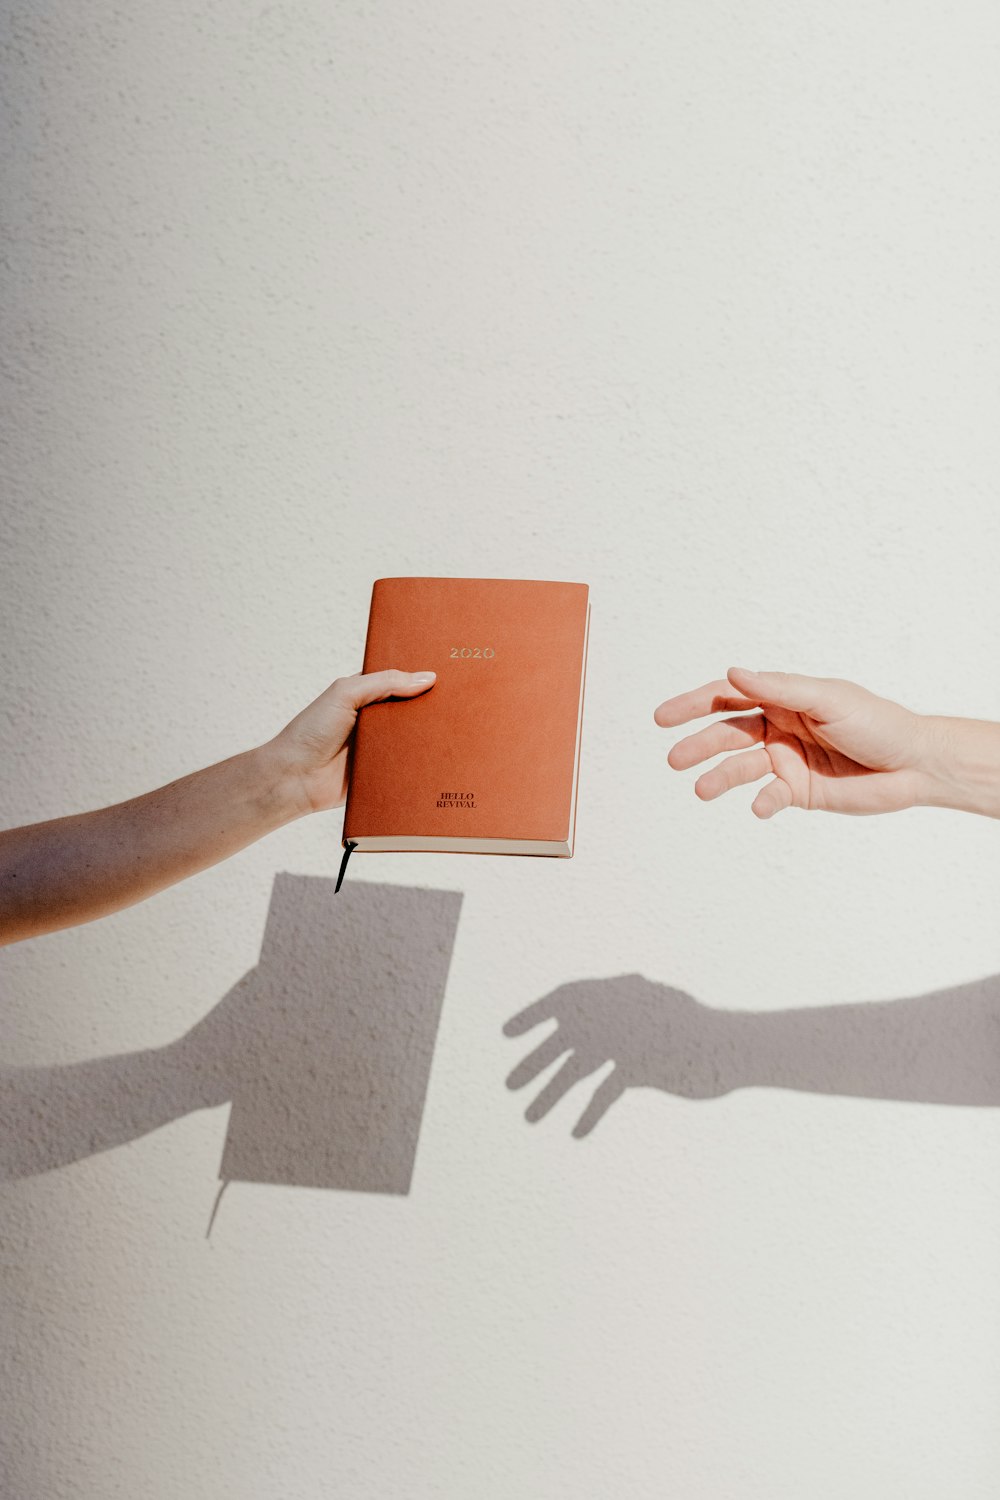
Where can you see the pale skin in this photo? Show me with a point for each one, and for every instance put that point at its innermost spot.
(826, 743)
(73, 869)
(832, 745)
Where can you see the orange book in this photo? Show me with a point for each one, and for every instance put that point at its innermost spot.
(487, 760)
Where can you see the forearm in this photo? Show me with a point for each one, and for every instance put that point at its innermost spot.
(961, 765)
(74, 869)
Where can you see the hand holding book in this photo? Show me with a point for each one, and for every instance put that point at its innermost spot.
(489, 762)
(315, 748)
(73, 869)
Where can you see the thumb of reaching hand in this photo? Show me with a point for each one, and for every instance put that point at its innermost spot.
(819, 697)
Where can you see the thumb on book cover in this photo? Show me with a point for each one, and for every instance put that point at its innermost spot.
(372, 687)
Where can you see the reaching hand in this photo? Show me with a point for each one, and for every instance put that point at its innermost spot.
(828, 743)
(315, 746)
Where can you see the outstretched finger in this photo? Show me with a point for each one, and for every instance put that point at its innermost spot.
(713, 698)
(536, 1062)
(532, 1015)
(738, 770)
(771, 799)
(727, 734)
(572, 1070)
(607, 1092)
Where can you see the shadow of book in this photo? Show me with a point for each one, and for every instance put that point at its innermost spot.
(328, 1087)
(324, 1049)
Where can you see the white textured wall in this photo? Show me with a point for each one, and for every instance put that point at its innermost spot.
(696, 302)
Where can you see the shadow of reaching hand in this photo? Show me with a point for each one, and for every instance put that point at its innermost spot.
(938, 1048)
(655, 1037)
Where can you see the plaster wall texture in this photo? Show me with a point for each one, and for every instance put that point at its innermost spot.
(696, 303)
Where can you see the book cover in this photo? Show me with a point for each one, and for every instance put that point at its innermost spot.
(486, 760)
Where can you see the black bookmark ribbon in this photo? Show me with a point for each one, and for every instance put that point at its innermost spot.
(349, 849)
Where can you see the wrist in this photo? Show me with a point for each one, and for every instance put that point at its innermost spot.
(960, 764)
(280, 794)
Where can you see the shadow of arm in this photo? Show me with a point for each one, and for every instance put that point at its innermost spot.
(52, 1116)
(939, 1048)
